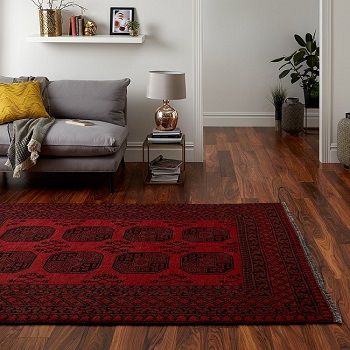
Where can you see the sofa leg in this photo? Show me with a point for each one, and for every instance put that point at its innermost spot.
(111, 182)
(4, 178)
(112, 176)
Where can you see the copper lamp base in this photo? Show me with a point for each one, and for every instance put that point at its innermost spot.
(166, 117)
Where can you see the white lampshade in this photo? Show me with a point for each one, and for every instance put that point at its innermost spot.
(166, 85)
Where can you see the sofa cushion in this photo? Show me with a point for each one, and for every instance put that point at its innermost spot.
(89, 99)
(6, 80)
(4, 140)
(20, 101)
(44, 82)
(66, 140)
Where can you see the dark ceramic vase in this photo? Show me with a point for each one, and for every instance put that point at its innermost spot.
(293, 116)
(311, 101)
(343, 139)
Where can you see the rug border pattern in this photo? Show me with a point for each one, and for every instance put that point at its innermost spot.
(312, 263)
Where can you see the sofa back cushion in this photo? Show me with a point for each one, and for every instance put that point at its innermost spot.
(6, 80)
(89, 100)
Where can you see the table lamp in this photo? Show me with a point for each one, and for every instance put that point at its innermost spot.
(166, 86)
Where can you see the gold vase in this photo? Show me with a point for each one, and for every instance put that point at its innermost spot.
(50, 22)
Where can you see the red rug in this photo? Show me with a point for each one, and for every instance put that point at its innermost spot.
(175, 264)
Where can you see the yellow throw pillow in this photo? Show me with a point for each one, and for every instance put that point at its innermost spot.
(20, 101)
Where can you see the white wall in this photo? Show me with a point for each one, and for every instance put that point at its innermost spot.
(167, 46)
(1, 33)
(241, 37)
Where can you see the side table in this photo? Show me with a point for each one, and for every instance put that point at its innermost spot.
(147, 145)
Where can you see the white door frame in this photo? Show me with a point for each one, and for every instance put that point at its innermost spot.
(326, 81)
(198, 88)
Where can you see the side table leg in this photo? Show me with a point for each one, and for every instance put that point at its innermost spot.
(184, 152)
(305, 127)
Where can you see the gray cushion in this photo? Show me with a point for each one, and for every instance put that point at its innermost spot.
(65, 140)
(89, 99)
(6, 80)
(4, 140)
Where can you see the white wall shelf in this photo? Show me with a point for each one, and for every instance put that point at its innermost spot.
(96, 39)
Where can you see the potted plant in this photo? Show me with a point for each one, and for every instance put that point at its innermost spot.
(303, 65)
(133, 27)
(278, 96)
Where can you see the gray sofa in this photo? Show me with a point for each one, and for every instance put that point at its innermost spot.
(72, 148)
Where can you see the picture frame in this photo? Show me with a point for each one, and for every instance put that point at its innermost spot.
(119, 16)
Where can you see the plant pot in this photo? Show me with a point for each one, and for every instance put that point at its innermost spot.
(278, 112)
(133, 32)
(293, 116)
(50, 22)
(311, 101)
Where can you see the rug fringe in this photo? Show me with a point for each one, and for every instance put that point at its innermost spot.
(320, 281)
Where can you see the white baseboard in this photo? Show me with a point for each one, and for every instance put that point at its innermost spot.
(134, 152)
(237, 119)
(333, 153)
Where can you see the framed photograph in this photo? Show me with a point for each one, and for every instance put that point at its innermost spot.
(119, 18)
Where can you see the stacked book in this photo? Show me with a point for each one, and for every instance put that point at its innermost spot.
(76, 26)
(165, 170)
(173, 136)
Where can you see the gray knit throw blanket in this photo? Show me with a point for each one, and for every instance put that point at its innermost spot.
(27, 135)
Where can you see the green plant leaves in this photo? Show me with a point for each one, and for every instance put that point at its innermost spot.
(278, 95)
(312, 61)
(284, 73)
(278, 59)
(308, 37)
(300, 40)
(283, 65)
(298, 57)
(303, 64)
(309, 46)
(294, 77)
(288, 58)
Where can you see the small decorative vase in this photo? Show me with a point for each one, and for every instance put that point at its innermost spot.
(90, 28)
(343, 141)
(278, 112)
(133, 32)
(50, 22)
(278, 117)
(292, 116)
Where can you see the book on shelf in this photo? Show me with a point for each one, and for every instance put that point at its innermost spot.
(165, 170)
(81, 26)
(165, 178)
(72, 26)
(164, 139)
(161, 163)
(176, 133)
(76, 26)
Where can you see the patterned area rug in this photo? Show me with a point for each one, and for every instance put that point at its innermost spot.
(174, 264)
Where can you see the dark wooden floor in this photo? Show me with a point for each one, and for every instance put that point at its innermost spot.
(241, 165)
